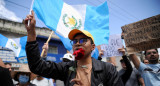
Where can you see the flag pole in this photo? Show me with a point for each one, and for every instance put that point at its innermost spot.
(31, 7)
(47, 43)
(30, 10)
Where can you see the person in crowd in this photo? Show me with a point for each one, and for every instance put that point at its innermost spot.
(150, 72)
(84, 71)
(127, 69)
(145, 61)
(22, 75)
(130, 76)
(135, 78)
(5, 77)
(100, 54)
(41, 81)
(9, 66)
(68, 57)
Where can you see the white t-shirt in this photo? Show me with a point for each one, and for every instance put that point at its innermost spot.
(43, 82)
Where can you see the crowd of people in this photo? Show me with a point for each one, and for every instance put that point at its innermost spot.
(79, 68)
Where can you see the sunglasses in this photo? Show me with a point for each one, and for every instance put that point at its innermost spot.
(149, 53)
(81, 41)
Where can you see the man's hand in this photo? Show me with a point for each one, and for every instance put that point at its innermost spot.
(83, 81)
(30, 27)
(122, 50)
(1, 63)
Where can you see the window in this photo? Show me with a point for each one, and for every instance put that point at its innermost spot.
(7, 55)
(53, 49)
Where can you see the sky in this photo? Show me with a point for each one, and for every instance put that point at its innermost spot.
(121, 12)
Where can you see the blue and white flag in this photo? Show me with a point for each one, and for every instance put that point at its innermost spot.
(17, 45)
(62, 18)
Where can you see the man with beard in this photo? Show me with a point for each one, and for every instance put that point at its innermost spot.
(150, 72)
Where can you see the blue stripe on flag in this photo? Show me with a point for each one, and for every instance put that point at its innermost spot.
(54, 8)
(97, 23)
(23, 41)
(3, 40)
(66, 42)
(95, 53)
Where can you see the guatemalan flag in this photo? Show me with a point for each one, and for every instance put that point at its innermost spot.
(62, 18)
(17, 45)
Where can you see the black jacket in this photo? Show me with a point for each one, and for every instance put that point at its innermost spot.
(102, 72)
(5, 77)
(125, 74)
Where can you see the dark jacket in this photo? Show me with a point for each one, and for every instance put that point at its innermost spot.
(5, 77)
(30, 84)
(102, 72)
(125, 74)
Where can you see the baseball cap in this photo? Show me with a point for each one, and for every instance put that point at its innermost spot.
(69, 56)
(73, 32)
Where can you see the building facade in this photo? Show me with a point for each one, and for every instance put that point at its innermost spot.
(11, 29)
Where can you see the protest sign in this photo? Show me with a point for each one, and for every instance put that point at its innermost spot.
(142, 35)
(111, 49)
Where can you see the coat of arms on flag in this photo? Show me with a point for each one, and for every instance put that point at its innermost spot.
(62, 18)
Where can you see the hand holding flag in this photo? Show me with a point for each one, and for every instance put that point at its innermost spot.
(31, 27)
(45, 48)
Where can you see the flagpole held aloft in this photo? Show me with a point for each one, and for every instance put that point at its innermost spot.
(47, 43)
(30, 10)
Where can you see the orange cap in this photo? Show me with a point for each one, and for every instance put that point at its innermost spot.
(73, 32)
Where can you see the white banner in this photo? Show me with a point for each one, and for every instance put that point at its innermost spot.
(111, 49)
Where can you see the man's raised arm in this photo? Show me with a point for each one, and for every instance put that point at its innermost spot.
(135, 60)
(30, 27)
